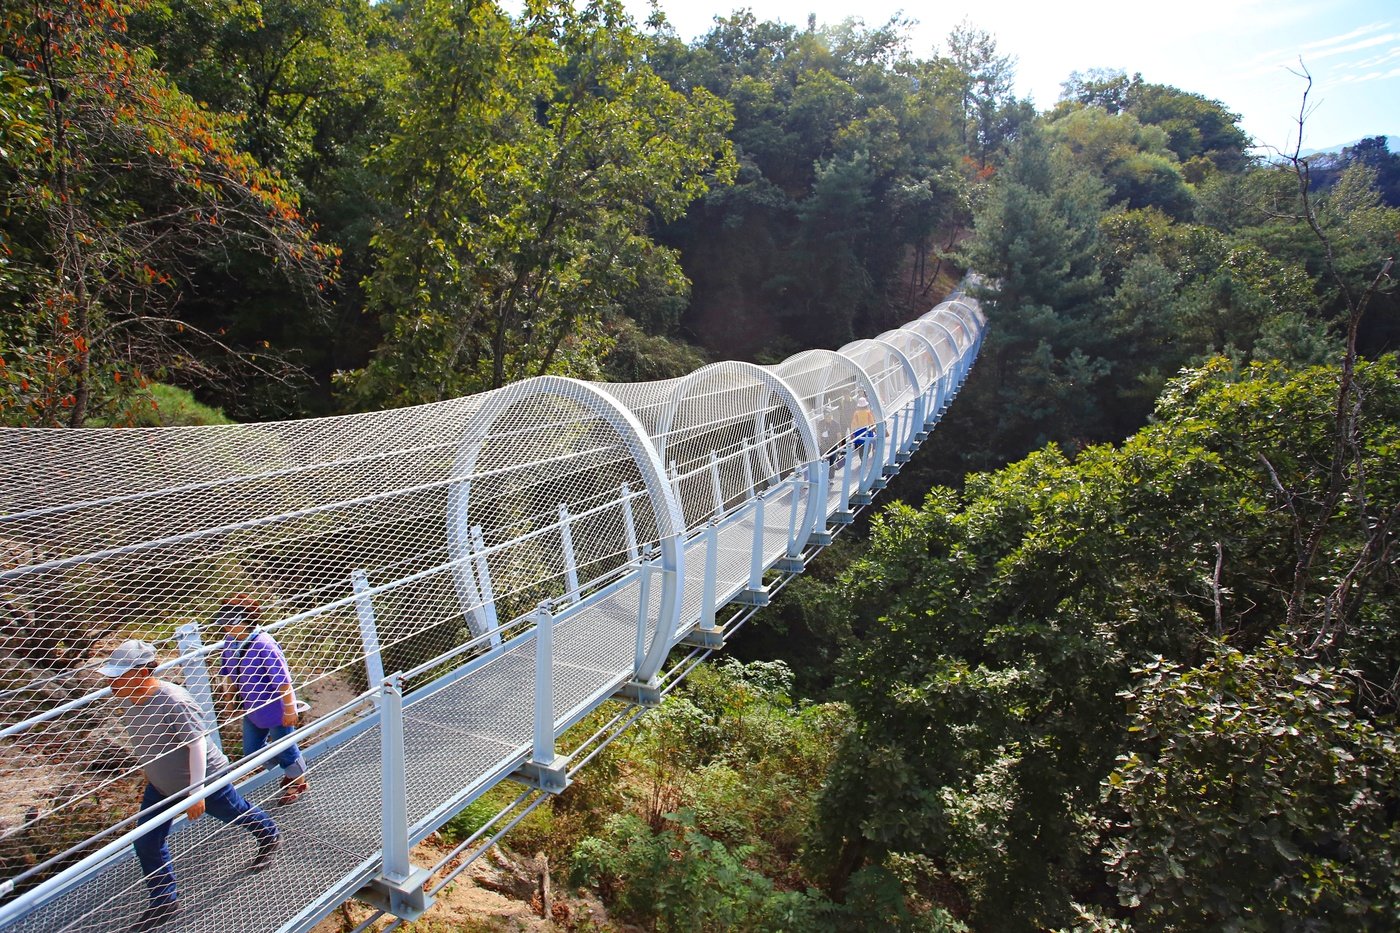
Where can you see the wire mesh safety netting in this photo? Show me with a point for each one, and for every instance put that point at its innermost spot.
(261, 566)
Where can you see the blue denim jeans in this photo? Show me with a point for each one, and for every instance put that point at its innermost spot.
(256, 737)
(153, 850)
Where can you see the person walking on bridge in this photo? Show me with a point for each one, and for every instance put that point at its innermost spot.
(167, 736)
(862, 423)
(254, 662)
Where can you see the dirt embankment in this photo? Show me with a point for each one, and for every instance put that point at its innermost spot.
(501, 892)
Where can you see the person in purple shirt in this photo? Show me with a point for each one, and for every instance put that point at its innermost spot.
(254, 662)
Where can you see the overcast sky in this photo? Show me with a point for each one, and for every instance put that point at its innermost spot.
(1236, 51)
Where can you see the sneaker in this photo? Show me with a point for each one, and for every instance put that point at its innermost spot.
(292, 789)
(266, 850)
(156, 916)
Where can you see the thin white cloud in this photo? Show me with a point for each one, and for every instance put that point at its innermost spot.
(1354, 47)
(1368, 76)
(1377, 60)
(1346, 36)
(1311, 51)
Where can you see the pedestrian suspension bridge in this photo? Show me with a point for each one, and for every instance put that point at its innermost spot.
(475, 578)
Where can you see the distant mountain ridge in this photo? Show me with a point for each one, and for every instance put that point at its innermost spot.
(1392, 138)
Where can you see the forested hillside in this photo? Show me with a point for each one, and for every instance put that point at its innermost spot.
(1126, 657)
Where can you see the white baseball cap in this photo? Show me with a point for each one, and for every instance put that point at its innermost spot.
(129, 656)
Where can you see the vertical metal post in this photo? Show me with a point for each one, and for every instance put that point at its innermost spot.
(748, 467)
(797, 486)
(488, 594)
(544, 687)
(881, 454)
(822, 469)
(707, 598)
(847, 463)
(643, 611)
(759, 541)
(393, 780)
(197, 678)
(714, 480)
(369, 632)
(770, 437)
(629, 523)
(566, 540)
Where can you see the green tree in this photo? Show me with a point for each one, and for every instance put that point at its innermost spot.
(1132, 159)
(310, 86)
(998, 634)
(1035, 239)
(1254, 795)
(527, 164)
(990, 112)
(289, 67)
(835, 126)
(130, 181)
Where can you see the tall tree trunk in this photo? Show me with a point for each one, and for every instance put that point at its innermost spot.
(72, 275)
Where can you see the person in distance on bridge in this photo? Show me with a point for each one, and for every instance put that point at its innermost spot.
(829, 434)
(166, 731)
(254, 662)
(862, 423)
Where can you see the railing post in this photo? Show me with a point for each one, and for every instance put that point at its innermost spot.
(884, 457)
(793, 530)
(759, 541)
(770, 445)
(393, 781)
(643, 611)
(748, 467)
(707, 598)
(369, 632)
(545, 769)
(904, 446)
(197, 678)
(714, 481)
(566, 541)
(847, 465)
(543, 755)
(398, 889)
(629, 524)
(488, 594)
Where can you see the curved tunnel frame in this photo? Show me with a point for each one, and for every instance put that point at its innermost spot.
(901, 436)
(867, 386)
(928, 389)
(948, 378)
(666, 507)
(801, 421)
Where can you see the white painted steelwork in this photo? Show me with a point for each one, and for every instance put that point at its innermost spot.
(474, 576)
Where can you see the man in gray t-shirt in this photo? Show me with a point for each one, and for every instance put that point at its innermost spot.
(160, 728)
(167, 737)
